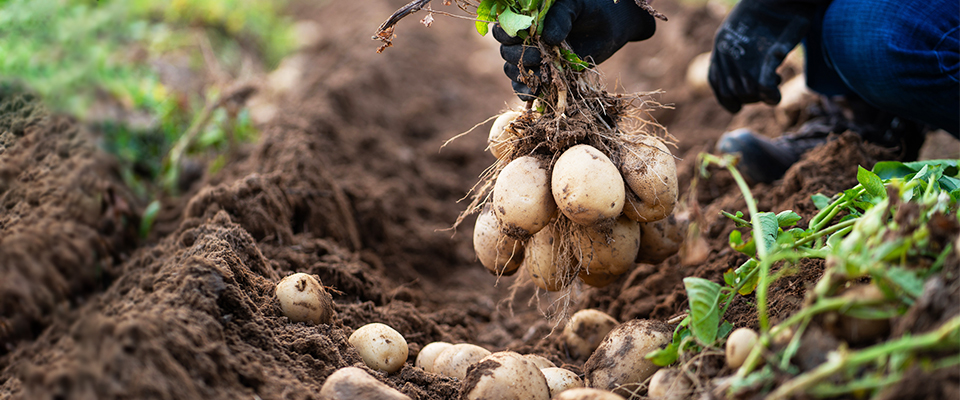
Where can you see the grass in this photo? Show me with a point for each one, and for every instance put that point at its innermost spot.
(140, 71)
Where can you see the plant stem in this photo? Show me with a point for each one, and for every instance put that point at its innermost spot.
(841, 359)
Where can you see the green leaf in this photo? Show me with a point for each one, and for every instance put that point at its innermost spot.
(820, 201)
(665, 356)
(704, 297)
(871, 182)
(769, 228)
(485, 15)
(736, 242)
(787, 218)
(148, 218)
(743, 272)
(574, 59)
(951, 166)
(907, 280)
(512, 22)
(725, 329)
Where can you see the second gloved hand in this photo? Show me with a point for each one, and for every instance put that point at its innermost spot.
(595, 29)
(750, 44)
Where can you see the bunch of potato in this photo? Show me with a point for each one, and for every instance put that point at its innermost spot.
(576, 214)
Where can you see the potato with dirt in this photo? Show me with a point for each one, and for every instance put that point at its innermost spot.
(651, 173)
(502, 135)
(504, 375)
(543, 260)
(661, 239)
(611, 248)
(380, 346)
(428, 355)
(586, 330)
(455, 360)
(560, 379)
(521, 197)
(619, 364)
(303, 299)
(352, 383)
(587, 186)
(499, 253)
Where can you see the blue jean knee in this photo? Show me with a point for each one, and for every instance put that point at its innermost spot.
(900, 56)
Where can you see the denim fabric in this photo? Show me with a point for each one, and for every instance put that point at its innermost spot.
(901, 56)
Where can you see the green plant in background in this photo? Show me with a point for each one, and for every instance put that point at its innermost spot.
(141, 71)
(876, 232)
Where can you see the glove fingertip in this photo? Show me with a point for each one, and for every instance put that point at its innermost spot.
(503, 37)
(557, 24)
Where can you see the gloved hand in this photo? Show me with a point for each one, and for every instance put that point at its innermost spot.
(750, 44)
(595, 29)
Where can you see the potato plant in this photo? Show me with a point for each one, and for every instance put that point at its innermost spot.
(568, 164)
(882, 242)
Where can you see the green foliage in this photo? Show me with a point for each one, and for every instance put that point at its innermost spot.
(868, 243)
(102, 60)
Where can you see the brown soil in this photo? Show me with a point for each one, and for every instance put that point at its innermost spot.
(348, 182)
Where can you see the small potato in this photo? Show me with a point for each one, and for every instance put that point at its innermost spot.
(612, 252)
(522, 199)
(587, 394)
(585, 330)
(669, 384)
(541, 260)
(540, 361)
(505, 375)
(597, 279)
(739, 345)
(501, 135)
(650, 172)
(661, 239)
(380, 346)
(352, 383)
(303, 299)
(619, 364)
(855, 330)
(587, 186)
(560, 379)
(499, 253)
(455, 360)
(428, 354)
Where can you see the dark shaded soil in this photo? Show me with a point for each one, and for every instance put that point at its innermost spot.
(348, 182)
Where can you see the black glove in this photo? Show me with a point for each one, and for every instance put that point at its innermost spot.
(595, 29)
(750, 44)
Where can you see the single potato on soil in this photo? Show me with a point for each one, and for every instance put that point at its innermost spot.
(619, 363)
(380, 346)
(303, 299)
(352, 383)
(585, 330)
(505, 375)
(455, 360)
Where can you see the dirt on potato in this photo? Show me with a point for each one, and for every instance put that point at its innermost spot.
(348, 181)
